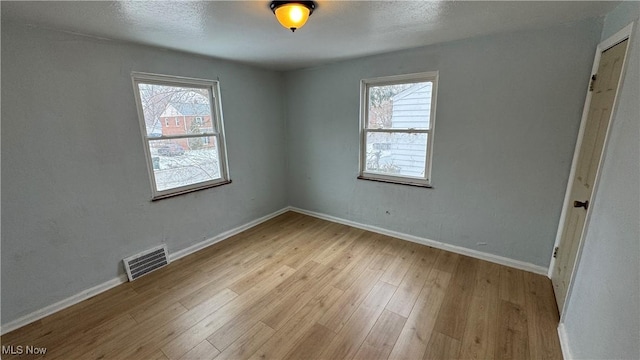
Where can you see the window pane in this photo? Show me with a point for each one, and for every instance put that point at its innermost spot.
(400, 106)
(173, 110)
(183, 162)
(396, 154)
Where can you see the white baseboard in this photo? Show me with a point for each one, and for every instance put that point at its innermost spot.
(225, 235)
(72, 300)
(436, 244)
(564, 342)
(62, 304)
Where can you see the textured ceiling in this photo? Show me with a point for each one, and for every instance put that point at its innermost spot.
(247, 31)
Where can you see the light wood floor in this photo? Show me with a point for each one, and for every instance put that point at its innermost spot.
(297, 287)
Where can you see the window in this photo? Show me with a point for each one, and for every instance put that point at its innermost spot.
(166, 122)
(198, 120)
(177, 121)
(397, 115)
(181, 159)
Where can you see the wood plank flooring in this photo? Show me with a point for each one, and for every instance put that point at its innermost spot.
(297, 287)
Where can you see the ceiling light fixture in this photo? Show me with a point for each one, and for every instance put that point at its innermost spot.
(292, 14)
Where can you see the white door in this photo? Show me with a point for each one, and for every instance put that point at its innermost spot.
(604, 87)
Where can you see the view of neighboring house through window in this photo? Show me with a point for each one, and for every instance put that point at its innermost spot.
(190, 155)
(397, 118)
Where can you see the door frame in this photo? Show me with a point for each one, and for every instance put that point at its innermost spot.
(618, 37)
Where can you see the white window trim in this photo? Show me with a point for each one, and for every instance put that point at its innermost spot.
(217, 123)
(425, 181)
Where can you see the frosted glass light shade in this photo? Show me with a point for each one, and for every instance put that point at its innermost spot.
(292, 15)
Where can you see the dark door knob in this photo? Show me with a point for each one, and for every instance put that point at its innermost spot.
(584, 204)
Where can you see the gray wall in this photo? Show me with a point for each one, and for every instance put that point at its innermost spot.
(76, 196)
(507, 117)
(603, 316)
(76, 189)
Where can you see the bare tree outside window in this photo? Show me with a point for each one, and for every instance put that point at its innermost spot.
(182, 131)
(381, 104)
(397, 128)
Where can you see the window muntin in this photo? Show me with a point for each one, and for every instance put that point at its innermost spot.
(191, 155)
(397, 116)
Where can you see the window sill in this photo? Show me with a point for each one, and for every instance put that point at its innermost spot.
(186, 191)
(396, 182)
